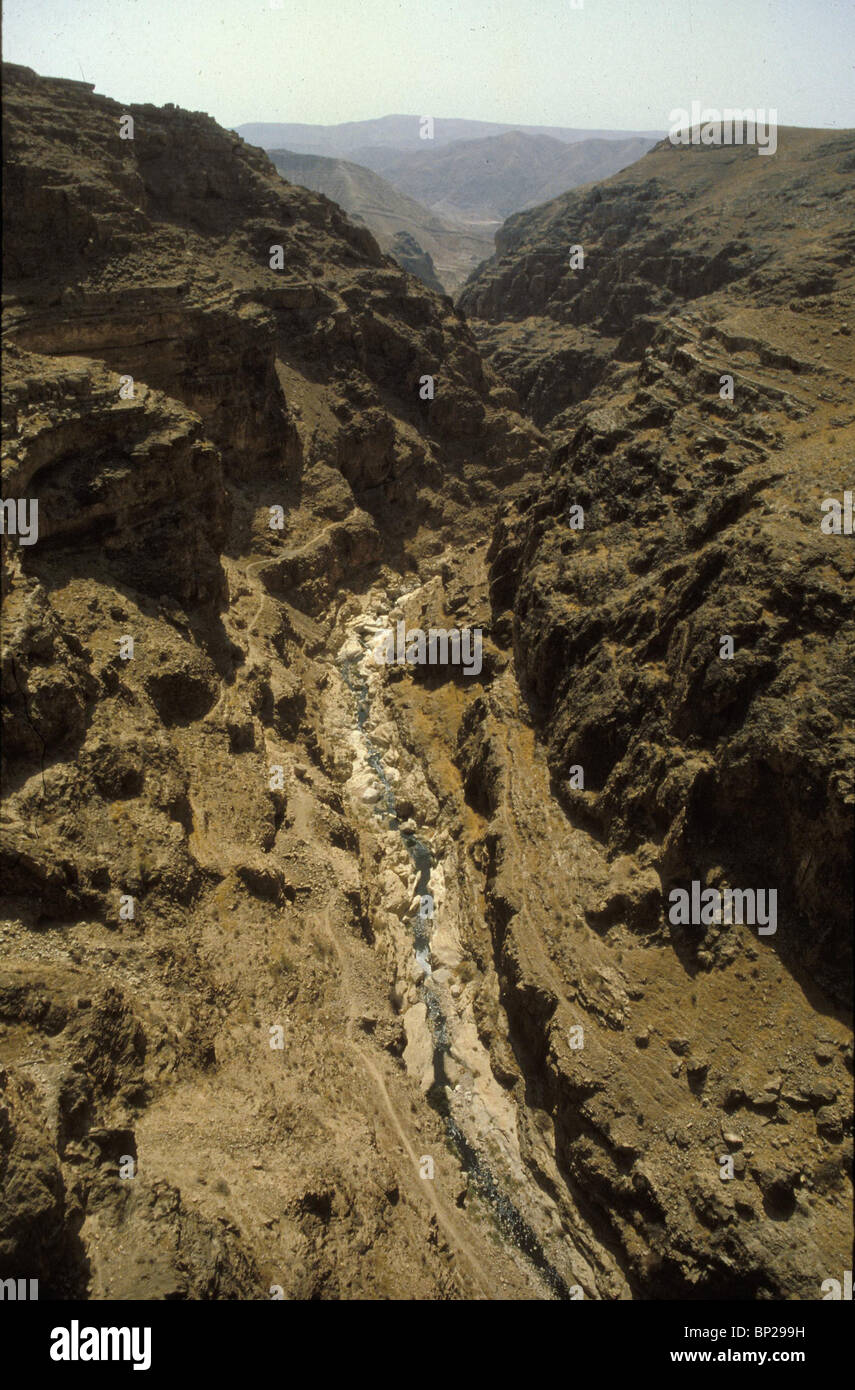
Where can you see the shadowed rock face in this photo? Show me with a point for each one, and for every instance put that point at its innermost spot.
(164, 389)
(273, 491)
(702, 519)
(409, 254)
(666, 233)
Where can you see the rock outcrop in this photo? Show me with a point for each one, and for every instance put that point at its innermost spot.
(326, 977)
(682, 623)
(218, 449)
(413, 257)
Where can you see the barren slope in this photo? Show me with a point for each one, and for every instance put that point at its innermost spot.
(486, 180)
(452, 250)
(275, 1036)
(702, 520)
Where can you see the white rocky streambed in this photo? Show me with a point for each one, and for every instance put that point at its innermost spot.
(416, 859)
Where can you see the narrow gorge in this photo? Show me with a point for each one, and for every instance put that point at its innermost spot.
(331, 976)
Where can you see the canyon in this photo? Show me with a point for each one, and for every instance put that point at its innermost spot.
(439, 251)
(399, 1013)
(447, 186)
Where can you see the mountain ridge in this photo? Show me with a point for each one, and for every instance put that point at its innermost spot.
(453, 248)
(334, 979)
(488, 180)
(339, 139)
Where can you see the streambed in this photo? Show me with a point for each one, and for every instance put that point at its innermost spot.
(448, 1099)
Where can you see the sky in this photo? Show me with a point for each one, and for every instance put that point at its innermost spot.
(612, 64)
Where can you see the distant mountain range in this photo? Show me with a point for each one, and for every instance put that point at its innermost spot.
(351, 139)
(401, 225)
(436, 204)
(485, 181)
(628, 489)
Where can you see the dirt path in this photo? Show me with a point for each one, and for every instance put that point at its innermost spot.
(457, 1231)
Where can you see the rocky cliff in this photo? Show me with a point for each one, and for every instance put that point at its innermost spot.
(682, 620)
(220, 451)
(321, 977)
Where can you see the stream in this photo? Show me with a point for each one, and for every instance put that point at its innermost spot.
(510, 1221)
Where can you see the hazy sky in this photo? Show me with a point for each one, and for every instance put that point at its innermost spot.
(613, 63)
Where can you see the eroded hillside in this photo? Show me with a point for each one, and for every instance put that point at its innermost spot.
(441, 253)
(235, 1053)
(695, 368)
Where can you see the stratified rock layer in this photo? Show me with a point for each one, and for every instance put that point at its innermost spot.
(219, 450)
(225, 1059)
(701, 520)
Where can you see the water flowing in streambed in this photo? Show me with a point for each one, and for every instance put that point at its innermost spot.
(512, 1224)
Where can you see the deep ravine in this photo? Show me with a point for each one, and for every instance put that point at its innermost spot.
(452, 1101)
